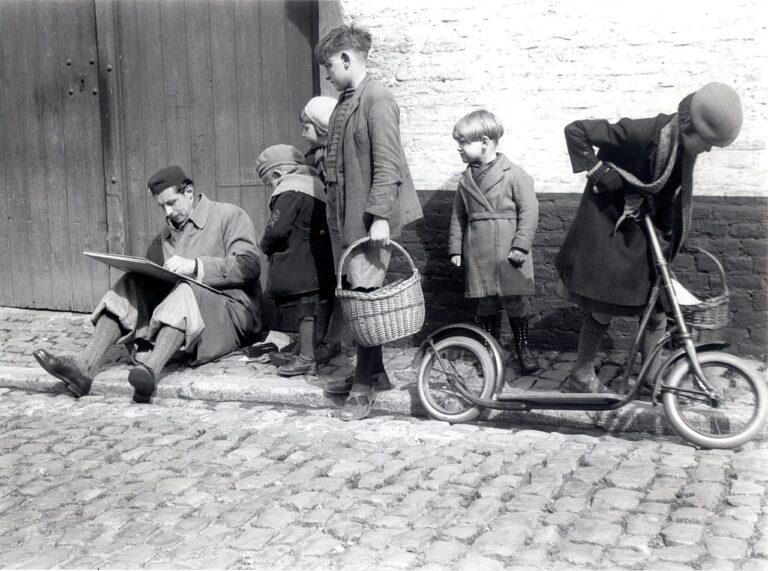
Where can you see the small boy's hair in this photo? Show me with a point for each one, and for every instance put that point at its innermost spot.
(346, 37)
(478, 124)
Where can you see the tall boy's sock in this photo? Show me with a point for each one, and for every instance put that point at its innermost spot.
(657, 327)
(105, 333)
(167, 342)
(366, 357)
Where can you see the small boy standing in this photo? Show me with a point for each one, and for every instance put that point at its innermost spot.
(495, 213)
(314, 130)
(370, 190)
(297, 243)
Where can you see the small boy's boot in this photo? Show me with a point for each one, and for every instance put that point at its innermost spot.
(489, 323)
(527, 362)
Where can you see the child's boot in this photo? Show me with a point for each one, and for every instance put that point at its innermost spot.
(489, 323)
(528, 363)
(330, 346)
(304, 363)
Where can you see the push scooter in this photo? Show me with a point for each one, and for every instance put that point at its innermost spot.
(711, 398)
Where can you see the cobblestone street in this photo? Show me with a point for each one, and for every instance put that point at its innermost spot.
(103, 483)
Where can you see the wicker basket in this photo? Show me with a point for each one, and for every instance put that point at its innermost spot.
(385, 314)
(707, 318)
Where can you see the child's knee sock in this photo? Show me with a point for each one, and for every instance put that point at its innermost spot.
(366, 358)
(590, 336)
(307, 338)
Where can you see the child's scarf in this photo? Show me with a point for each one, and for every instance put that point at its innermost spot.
(666, 155)
(304, 180)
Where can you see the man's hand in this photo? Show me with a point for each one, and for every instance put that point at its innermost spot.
(516, 258)
(456, 260)
(180, 265)
(379, 232)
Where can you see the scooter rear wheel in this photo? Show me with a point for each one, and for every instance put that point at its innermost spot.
(741, 410)
(468, 362)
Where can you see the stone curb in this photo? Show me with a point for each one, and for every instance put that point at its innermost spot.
(297, 392)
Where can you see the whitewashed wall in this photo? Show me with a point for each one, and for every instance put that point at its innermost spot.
(541, 64)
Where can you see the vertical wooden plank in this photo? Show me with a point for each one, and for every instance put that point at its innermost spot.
(299, 61)
(153, 104)
(132, 121)
(51, 92)
(254, 204)
(14, 157)
(249, 94)
(274, 74)
(8, 118)
(225, 113)
(82, 144)
(200, 77)
(174, 39)
(112, 147)
(37, 252)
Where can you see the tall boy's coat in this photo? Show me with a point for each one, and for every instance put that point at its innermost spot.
(375, 174)
(490, 220)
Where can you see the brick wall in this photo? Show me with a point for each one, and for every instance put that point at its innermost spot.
(734, 229)
(541, 65)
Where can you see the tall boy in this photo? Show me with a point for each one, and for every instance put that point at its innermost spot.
(370, 190)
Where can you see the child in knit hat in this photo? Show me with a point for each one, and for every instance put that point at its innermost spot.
(314, 122)
(642, 165)
(298, 245)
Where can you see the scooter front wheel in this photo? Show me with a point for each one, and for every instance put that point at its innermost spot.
(461, 360)
(741, 409)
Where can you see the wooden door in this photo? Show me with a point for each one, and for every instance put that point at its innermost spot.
(51, 167)
(207, 85)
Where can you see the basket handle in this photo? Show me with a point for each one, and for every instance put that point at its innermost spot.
(712, 257)
(361, 241)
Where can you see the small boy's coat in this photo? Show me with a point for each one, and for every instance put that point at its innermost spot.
(490, 220)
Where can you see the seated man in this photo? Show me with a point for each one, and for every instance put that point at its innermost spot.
(212, 242)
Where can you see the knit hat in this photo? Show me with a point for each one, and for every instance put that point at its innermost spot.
(318, 112)
(278, 155)
(714, 112)
(166, 178)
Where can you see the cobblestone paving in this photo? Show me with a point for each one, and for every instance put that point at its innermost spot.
(102, 483)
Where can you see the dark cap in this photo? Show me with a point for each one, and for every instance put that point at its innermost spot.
(166, 178)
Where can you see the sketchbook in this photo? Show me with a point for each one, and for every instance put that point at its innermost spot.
(143, 266)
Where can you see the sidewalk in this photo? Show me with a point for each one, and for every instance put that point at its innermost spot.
(231, 379)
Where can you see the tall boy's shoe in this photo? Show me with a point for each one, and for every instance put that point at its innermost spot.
(325, 352)
(381, 382)
(358, 406)
(298, 366)
(142, 379)
(66, 370)
(519, 326)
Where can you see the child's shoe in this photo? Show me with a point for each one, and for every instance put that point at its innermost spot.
(298, 366)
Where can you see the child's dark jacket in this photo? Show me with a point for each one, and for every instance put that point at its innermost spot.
(608, 270)
(296, 239)
(487, 222)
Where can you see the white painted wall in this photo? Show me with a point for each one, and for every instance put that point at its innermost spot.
(541, 64)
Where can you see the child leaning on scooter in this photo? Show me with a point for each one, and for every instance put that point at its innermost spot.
(495, 213)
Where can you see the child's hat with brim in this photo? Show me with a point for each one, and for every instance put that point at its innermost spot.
(278, 155)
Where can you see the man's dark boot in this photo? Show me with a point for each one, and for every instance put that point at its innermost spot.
(66, 370)
(527, 362)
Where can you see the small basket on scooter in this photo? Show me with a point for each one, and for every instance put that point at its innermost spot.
(707, 318)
